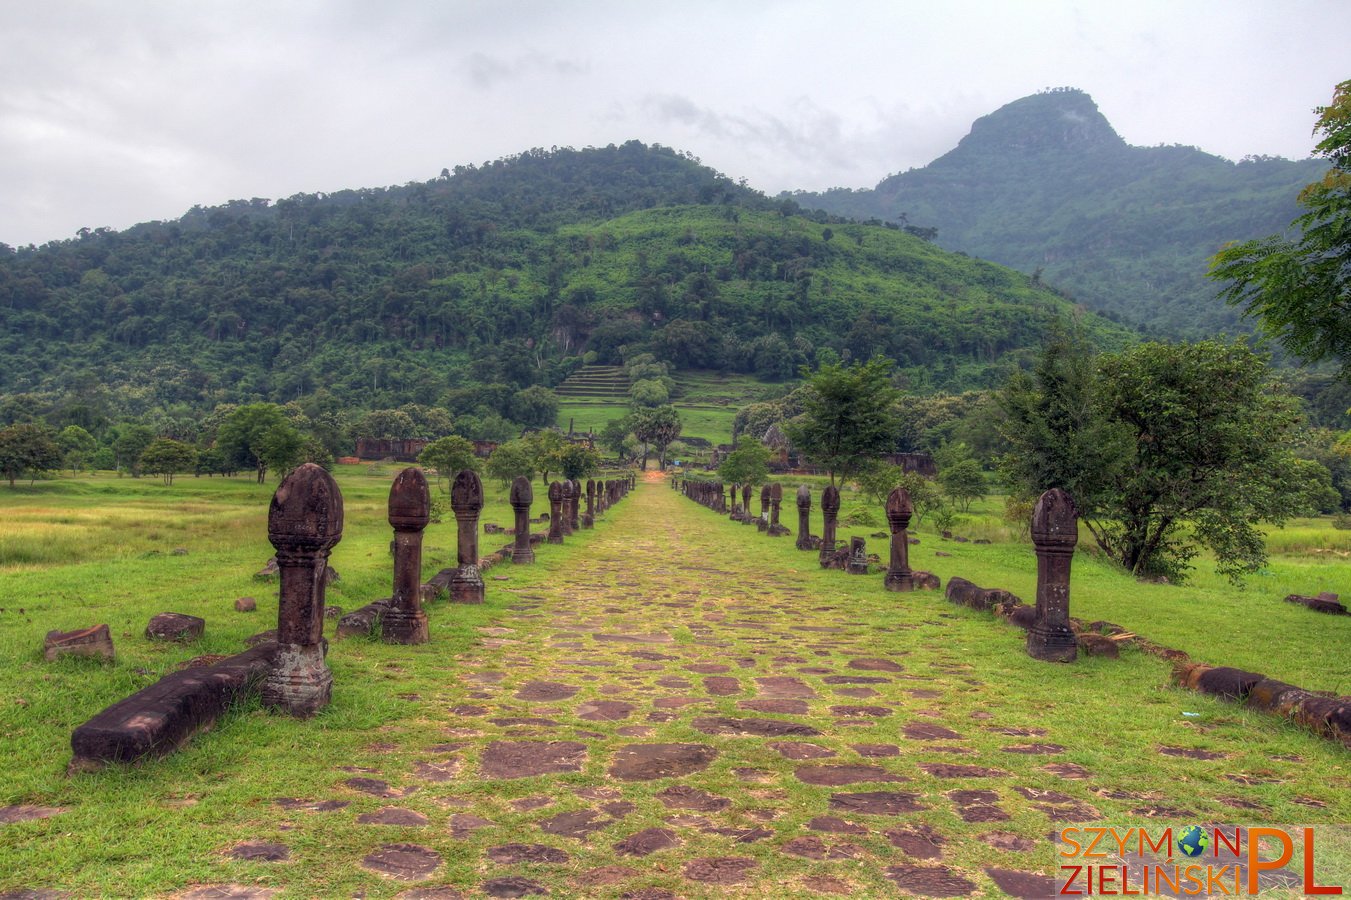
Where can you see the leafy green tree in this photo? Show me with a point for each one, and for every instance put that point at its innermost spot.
(656, 427)
(387, 424)
(535, 406)
(449, 456)
(848, 416)
(27, 448)
(1192, 450)
(130, 443)
(429, 422)
(1300, 289)
(747, 464)
(545, 445)
(511, 460)
(648, 393)
(77, 447)
(210, 461)
(166, 457)
(962, 482)
(577, 461)
(282, 447)
(879, 478)
(239, 437)
(615, 435)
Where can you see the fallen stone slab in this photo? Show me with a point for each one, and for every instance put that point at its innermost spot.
(246, 604)
(96, 642)
(158, 719)
(1323, 603)
(175, 627)
(363, 622)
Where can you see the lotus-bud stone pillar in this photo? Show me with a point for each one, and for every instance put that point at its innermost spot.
(303, 523)
(466, 499)
(830, 508)
(589, 520)
(1055, 531)
(763, 522)
(899, 510)
(746, 517)
(555, 513)
(522, 495)
(574, 503)
(409, 511)
(565, 508)
(804, 517)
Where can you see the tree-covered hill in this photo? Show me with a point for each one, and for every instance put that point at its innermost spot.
(510, 274)
(1047, 186)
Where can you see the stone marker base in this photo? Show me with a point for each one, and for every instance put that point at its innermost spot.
(175, 627)
(300, 682)
(96, 642)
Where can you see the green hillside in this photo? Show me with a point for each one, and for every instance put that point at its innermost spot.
(1046, 185)
(486, 280)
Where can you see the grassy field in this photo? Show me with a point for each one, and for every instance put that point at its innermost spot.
(74, 552)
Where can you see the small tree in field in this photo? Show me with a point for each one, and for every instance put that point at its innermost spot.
(27, 448)
(449, 456)
(747, 464)
(848, 416)
(166, 457)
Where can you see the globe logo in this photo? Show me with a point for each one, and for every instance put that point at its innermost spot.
(1193, 841)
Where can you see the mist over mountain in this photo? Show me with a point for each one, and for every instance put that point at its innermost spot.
(1047, 186)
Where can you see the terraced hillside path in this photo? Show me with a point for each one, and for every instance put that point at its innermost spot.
(688, 708)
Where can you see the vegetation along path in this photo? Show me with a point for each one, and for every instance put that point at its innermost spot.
(676, 705)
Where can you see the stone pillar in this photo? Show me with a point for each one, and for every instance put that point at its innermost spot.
(763, 523)
(1055, 531)
(775, 504)
(522, 495)
(589, 520)
(466, 499)
(574, 503)
(555, 513)
(899, 510)
(303, 524)
(804, 517)
(746, 517)
(830, 508)
(858, 556)
(565, 508)
(409, 510)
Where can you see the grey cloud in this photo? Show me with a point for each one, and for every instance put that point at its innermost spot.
(489, 72)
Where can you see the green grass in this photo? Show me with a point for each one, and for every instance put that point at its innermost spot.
(658, 562)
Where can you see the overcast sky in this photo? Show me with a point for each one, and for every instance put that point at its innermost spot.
(118, 112)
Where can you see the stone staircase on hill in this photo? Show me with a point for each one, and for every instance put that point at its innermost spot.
(596, 383)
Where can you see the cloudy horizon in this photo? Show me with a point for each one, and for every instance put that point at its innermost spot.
(117, 114)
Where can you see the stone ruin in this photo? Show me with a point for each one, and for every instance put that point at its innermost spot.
(830, 509)
(522, 495)
(776, 529)
(589, 520)
(900, 577)
(466, 500)
(304, 523)
(1055, 531)
(858, 557)
(746, 517)
(555, 513)
(805, 541)
(565, 508)
(410, 505)
(763, 522)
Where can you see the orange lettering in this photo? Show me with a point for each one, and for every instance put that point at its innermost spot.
(1309, 886)
(1065, 888)
(1256, 865)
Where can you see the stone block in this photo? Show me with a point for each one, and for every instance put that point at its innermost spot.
(246, 604)
(1228, 682)
(96, 642)
(175, 627)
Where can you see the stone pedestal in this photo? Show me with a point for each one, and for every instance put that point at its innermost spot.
(466, 499)
(555, 513)
(804, 518)
(746, 517)
(763, 522)
(574, 504)
(589, 520)
(565, 509)
(409, 511)
(304, 522)
(776, 529)
(1055, 531)
(858, 557)
(830, 508)
(899, 510)
(522, 495)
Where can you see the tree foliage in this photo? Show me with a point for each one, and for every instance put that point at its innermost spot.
(657, 427)
(27, 448)
(510, 460)
(166, 457)
(449, 456)
(747, 464)
(848, 416)
(1166, 448)
(240, 437)
(1299, 288)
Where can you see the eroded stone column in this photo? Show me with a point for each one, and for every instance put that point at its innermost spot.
(574, 503)
(776, 529)
(830, 508)
(303, 523)
(466, 499)
(746, 517)
(899, 510)
(409, 510)
(1055, 531)
(555, 513)
(589, 520)
(565, 508)
(763, 522)
(858, 556)
(804, 517)
(522, 495)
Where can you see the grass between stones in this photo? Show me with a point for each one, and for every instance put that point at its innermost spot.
(665, 625)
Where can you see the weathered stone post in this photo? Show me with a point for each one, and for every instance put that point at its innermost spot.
(763, 522)
(303, 524)
(555, 513)
(899, 510)
(858, 556)
(804, 517)
(466, 499)
(746, 517)
(1055, 531)
(522, 495)
(409, 510)
(776, 529)
(574, 503)
(830, 508)
(565, 508)
(589, 520)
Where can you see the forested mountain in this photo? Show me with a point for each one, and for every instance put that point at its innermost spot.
(1047, 186)
(508, 274)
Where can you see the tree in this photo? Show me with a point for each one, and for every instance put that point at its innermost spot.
(747, 464)
(658, 427)
(615, 435)
(166, 457)
(27, 448)
(130, 444)
(848, 416)
(545, 447)
(577, 461)
(648, 393)
(281, 448)
(511, 460)
(449, 456)
(77, 447)
(962, 482)
(1300, 289)
(387, 424)
(1166, 448)
(239, 437)
(535, 406)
